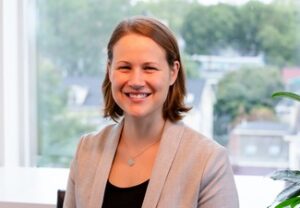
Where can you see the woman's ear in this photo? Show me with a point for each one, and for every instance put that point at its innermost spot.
(174, 72)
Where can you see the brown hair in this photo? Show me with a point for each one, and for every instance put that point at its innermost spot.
(149, 27)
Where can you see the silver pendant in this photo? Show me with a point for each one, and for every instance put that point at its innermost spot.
(130, 162)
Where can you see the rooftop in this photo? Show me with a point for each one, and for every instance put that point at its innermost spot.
(261, 127)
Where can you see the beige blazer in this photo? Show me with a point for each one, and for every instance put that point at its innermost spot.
(190, 171)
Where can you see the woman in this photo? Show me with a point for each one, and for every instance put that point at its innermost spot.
(149, 158)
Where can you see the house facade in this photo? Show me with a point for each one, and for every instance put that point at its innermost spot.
(259, 147)
(201, 97)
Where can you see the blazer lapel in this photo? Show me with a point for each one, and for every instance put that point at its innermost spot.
(104, 166)
(169, 144)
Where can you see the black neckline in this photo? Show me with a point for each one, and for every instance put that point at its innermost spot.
(145, 183)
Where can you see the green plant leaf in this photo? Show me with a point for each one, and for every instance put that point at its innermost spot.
(289, 192)
(292, 176)
(290, 95)
(292, 202)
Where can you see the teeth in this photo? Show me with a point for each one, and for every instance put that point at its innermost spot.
(140, 95)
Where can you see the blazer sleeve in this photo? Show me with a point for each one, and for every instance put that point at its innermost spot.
(70, 199)
(218, 186)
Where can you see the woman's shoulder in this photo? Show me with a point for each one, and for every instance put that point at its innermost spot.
(99, 137)
(105, 130)
(198, 140)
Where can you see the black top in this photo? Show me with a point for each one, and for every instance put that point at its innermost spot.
(129, 197)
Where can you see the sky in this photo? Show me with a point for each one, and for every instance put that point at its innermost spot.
(233, 2)
(212, 2)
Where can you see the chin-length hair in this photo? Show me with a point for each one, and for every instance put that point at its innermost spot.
(174, 106)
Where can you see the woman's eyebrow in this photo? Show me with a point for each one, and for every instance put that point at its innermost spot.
(122, 62)
(151, 63)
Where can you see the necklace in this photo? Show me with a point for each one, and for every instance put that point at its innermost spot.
(131, 160)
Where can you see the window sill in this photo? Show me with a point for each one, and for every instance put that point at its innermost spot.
(31, 187)
(257, 191)
(37, 188)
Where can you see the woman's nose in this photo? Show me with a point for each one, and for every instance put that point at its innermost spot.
(136, 78)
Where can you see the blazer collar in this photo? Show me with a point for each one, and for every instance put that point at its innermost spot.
(104, 166)
(169, 144)
(171, 137)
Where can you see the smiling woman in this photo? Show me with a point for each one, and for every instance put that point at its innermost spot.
(143, 159)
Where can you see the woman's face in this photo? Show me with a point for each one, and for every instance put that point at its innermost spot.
(140, 76)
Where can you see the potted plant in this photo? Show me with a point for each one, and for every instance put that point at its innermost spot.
(290, 196)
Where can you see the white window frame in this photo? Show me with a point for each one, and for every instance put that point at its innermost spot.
(17, 84)
(1, 88)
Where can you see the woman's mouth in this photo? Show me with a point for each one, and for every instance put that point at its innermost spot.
(137, 95)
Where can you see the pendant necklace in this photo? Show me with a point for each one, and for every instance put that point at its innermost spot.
(131, 160)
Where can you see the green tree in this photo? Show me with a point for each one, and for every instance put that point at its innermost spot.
(191, 67)
(251, 29)
(58, 131)
(73, 34)
(169, 11)
(250, 18)
(207, 30)
(278, 34)
(243, 95)
(270, 30)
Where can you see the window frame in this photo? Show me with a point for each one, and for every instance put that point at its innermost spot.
(1, 87)
(17, 89)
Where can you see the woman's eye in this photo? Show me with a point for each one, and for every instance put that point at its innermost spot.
(150, 68)
(124, 67)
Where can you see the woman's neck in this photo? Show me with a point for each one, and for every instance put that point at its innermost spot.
(142, 131)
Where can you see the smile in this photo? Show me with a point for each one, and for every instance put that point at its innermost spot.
(137, 95)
